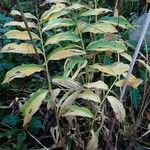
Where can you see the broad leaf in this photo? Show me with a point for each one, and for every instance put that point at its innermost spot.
(22, 71)
(104, 45)
(57, 23)
(71, 63)
(32, 105)
(62, 53)
(93, 143)
(89, 95)
(118, 108)
(97, 11)
(20, 24)
(63, 36)
(99, 85)
(133, 82)
(118, 21)
(75, 110)
(27, 15)
(115, 69)
(20, 35)
(99, 28)
(68, 102)
(126, 56)
(76, 6)
(23, 48)
(68, 83)
(54, 9)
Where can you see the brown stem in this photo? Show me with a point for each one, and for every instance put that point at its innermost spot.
(28, 30)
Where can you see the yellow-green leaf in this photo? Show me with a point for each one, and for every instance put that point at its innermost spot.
(63, 36)
(62, 53)
(27, 15)
(93, 142)
(115, 69)
(118, 21)
(32, 105)
(76, 6)
(20, 24)
(57, 23)
(22, 71)
(23, 48)
(97, 11)
(99, 28)
(75, 110)
(99, 85)
(68, 83)
(104, 45)
(54, 9)
(20, 35)
(118, 108)
(133, 82)
(126, 56)
(89, 95)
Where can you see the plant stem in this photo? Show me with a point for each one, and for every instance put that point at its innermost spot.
(28, 30)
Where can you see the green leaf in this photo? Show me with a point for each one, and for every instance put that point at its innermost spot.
(75, 110)
(32, 105)
(103, 45)
(67, 36)
(35, 123)
(97, 11)
(21, 136)
(135, 97)
(20, 35)
(89, 95)
(99, 28)
(76, 6)
(54, 9)
(118, 21)
(62, 53)
(22, 71)
(57, 23)
(23, 48)
(115, 69)
(71, 63)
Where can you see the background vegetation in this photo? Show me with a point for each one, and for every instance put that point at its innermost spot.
(63, 65)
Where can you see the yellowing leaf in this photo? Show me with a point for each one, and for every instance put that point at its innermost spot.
(27, 15)
(115, 69)
(63, 36)
(97, 11)
(75, 110)
(93, 143)
(54, 9)
(20, 35)
(99, 85)
(118, 108)
(127, 56)
(145, 65)
(62, 53)
(22, 71)
(76, 6)
(133, 82)
(23, 48)
(68, 83)
(57, 23)
(68, 102)
(20, 24)
(99, 28)
(32, 105)
(104, 45)
(89, 95)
